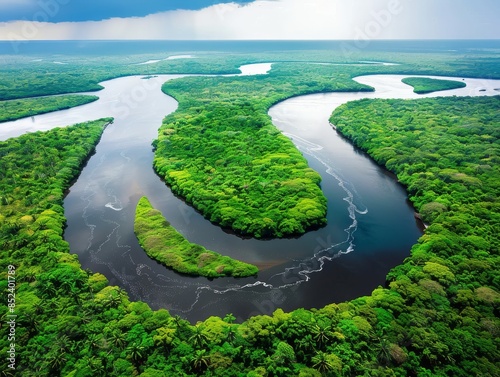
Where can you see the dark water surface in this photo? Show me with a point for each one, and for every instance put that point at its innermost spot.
(371, 227)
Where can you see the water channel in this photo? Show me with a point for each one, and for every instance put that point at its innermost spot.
(371, 227)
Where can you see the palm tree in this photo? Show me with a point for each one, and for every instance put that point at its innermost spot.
(305, 344)
(198, 339)
(56, 361)
(95, 365)
(30, 276)
(30, 322)
(75, 345)
(48, 290)
(382, 346)
(321, 363)
(7, 373)
(178, 320)
(229, 318)
(39, 307)
(87, 316)
(61, 344)
(94, 341)
(114, 299)
(135, 353)
(66, 285)
(118, 339)
(321, 334)
(200, 360)
(230, 334)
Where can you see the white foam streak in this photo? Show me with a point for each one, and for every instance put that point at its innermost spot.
(302, 272)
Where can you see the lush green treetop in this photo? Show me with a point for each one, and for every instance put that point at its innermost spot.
(423, 85)
(438, 315)
(21, 108)
(221, 152)
(164, 244)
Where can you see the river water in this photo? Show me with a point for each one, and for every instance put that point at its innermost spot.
(371, 227)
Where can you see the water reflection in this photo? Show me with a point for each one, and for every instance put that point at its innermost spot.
(370, 225)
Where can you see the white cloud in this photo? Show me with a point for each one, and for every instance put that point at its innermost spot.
(261, 19)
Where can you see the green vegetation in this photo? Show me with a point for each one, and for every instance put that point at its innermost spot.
(223, 156)
(438, 315)
(164, 244)
(447, 152)
(21, 108)
(221, 153)
(22, 76)
(423, 85)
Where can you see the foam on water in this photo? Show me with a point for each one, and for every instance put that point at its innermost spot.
(104, 208)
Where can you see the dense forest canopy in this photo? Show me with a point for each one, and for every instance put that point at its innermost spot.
(31, 75)
(437, 316)
(21, 108)
(423, 85)
(447, 152)
(164, 244)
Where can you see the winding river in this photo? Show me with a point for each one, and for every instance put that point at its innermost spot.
(371, 227)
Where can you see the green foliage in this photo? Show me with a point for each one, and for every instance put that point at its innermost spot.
(22, 77)
(21, 108)
(423, 85)
(437, 317)
(164, 244)
(446, 151)
(221, 153)
(36, 169)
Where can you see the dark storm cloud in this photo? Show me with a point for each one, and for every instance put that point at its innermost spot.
(96, 10)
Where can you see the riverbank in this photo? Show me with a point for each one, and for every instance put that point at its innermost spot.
(120, 173)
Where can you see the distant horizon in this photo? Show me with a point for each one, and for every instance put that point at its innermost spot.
(158, 47)
(251, 40)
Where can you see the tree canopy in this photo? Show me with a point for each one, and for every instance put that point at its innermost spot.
(437, 315)
(21, 108)
(164, 244)
(423, 85)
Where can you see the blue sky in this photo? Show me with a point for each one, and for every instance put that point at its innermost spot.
(96, 10)
(359, 20)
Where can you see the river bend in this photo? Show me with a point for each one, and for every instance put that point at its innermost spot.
(371, 227)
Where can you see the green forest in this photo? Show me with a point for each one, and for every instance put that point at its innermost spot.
(21, 108)
(424, 85)
(221, 152)
(437, 315)
(164, 244)
(22, 77)
(446, 152)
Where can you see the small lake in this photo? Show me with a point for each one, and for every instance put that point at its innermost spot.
(371, 227)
